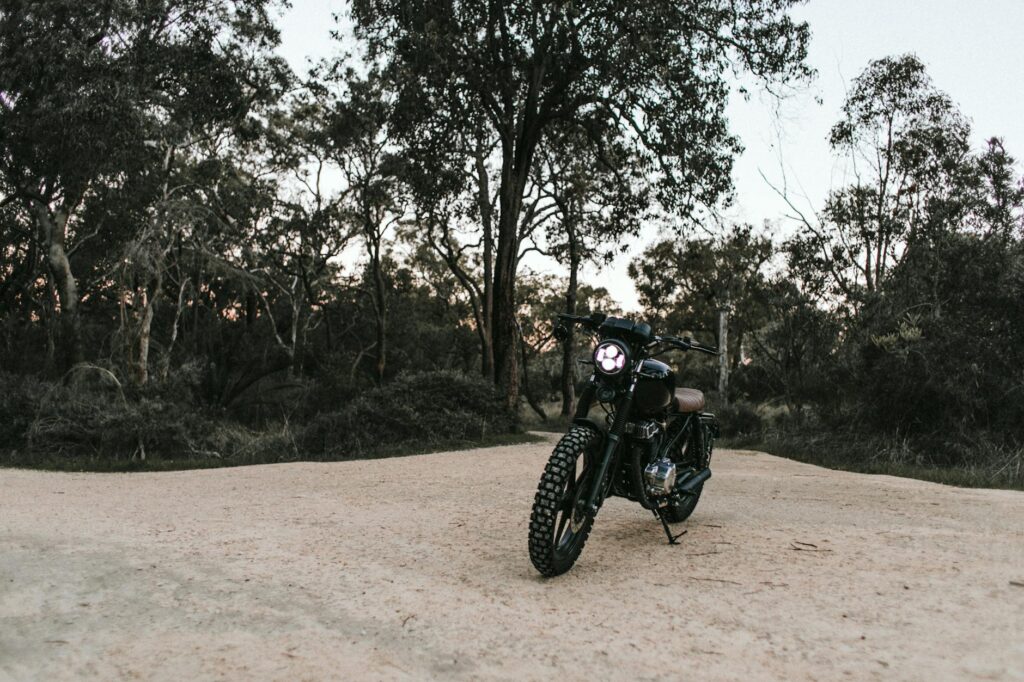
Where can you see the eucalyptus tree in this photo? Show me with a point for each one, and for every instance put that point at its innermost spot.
(908, 156)
(657, 71)
(705, 284)
(355, 134)
(599, 199)
(94, 97)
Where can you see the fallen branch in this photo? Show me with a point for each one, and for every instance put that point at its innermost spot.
(716, 580)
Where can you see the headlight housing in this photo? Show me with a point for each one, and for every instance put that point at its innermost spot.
(611, 358)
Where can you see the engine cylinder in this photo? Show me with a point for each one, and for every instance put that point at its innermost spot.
(660, 477)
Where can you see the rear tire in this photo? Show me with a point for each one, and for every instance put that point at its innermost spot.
(680, 511)
(557, 530)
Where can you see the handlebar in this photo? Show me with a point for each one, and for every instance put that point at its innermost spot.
(685, 343)
(591, 322)
(594, 320)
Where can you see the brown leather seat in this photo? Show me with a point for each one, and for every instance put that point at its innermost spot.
(688, 400)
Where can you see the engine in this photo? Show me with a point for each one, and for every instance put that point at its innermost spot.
(659, 474)
(660, 477)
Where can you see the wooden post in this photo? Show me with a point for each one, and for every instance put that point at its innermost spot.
(723, 354)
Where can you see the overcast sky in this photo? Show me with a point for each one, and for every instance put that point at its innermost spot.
(971, 48)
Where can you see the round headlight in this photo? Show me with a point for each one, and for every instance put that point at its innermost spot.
(610, 358)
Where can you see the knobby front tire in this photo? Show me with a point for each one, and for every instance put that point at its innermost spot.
(555, 539)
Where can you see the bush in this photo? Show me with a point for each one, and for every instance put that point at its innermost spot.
(18, 399)
(984, 463)
(739, 419)
(93, 421)
(424, 409)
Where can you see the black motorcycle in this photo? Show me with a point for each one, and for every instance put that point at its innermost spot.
(654, 447)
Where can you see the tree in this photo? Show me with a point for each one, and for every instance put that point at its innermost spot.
(704, 284)
(906, 145)
(598, 200)
(544, 297)
(93, 96)
(655, 71)
(794, 346)
(362, 146)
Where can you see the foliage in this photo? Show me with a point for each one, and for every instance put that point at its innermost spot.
(649, 79)
(181, 280)
(423, 409)
(980, 464)
(92, 420)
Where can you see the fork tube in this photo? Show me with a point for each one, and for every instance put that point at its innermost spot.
(585, 400)
(610, 447)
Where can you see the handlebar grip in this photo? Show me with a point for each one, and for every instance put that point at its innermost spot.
(593, 321)
(686, 343)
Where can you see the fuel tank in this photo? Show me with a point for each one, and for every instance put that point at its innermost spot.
(654, 390)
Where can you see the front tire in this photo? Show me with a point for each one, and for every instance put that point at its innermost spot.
(558, 529)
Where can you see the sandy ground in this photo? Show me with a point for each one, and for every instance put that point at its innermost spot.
(417, 568)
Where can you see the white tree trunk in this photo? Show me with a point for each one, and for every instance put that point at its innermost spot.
(723, 354)
(53, 232)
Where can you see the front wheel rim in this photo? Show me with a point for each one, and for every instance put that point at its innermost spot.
(572, 519)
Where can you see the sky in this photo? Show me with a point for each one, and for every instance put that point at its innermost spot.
(971, 49)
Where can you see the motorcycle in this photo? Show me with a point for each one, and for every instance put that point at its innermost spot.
(654, 447)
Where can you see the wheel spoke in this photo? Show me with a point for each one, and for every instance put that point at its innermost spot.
(557, 531)
(562, 522)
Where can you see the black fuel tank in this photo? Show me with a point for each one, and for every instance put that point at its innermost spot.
(654, 390)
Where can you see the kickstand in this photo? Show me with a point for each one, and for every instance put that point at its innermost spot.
(668, 531)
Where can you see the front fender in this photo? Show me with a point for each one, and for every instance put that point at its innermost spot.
(590, 424)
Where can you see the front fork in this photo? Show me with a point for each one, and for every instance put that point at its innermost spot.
(609, 454)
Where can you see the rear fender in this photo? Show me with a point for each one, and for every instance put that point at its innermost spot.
(711, 422)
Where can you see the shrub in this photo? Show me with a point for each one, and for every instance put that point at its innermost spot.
(94, 422)
(739, 419)
(424, 409)
(18, 399)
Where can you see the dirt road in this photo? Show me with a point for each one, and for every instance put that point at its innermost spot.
(417, 568)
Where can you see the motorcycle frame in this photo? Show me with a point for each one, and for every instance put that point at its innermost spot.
(612, 438)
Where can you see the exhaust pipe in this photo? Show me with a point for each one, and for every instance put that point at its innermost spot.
(689, 485)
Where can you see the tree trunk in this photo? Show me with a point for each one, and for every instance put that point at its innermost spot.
(506, 363)
(294, 367)
(723, 354)
(530, 398)
(50, 318)
(505, 330)
(53, 232)
(373, 239)
(568, 366)
(519, 141)
(141, 373)
(165, 361)
(487, 222)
